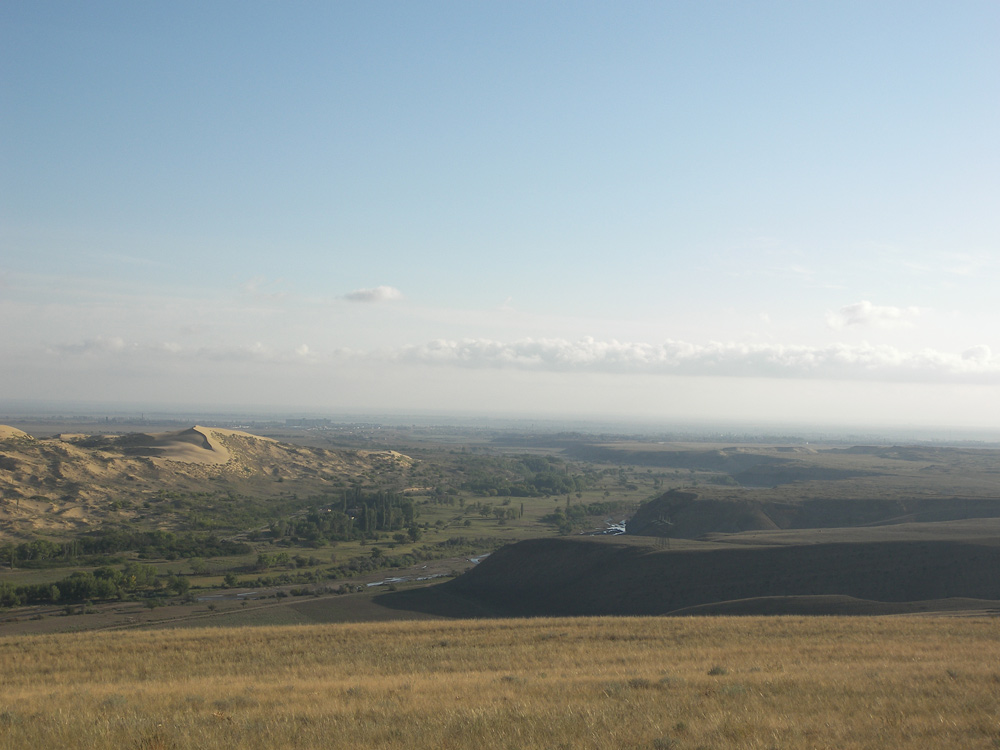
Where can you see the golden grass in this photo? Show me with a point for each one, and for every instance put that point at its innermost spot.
(546, 683)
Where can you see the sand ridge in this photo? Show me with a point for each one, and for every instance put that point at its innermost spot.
(200, 445)
(12, 433)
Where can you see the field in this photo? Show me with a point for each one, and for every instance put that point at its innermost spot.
(904, 682)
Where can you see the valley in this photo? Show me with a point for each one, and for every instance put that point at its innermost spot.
(219, 524)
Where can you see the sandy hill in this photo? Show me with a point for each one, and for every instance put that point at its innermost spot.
(199, 445)
(12, 433)
(74, 481)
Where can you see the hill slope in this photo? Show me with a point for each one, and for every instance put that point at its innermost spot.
(691, 514)
(588, 576)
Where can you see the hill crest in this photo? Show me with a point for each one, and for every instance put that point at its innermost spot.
(200, 445)
(12, 433)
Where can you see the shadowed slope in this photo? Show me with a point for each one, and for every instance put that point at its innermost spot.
(604, 577)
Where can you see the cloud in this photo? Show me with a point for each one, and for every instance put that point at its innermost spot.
(982, 354)
(836, 361)
(95, 346)
(845, 362)
(118, 351)
(378, 294)
(256, 353)
(864, 313)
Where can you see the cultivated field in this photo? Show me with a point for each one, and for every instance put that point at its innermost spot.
(840, 683)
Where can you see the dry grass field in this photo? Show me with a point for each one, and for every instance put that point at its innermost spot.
(903, 682)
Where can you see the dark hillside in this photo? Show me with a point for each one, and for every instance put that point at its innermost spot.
(589, 576)
(692, 515)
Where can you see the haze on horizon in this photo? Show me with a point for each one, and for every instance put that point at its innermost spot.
(768, 211)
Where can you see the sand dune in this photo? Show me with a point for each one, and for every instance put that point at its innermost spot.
(12, 433)
(71, 481)
(200, 445)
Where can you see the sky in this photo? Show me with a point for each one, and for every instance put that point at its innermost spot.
(768, 211)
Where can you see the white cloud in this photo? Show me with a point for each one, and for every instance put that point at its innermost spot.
(378, 294)
(844, 362)
(864, 313)
(836, 361)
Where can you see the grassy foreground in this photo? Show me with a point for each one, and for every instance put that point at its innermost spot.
(783, 682)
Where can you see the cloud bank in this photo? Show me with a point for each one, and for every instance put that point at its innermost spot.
(836, 361)
(859, 362)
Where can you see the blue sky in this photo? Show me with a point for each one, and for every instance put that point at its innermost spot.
(758, 211)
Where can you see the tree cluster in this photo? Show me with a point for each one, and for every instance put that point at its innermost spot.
(527, 476)
(354, 514)
(40, 553)
(98, 585)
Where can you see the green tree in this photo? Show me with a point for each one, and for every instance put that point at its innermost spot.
(8, 595)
